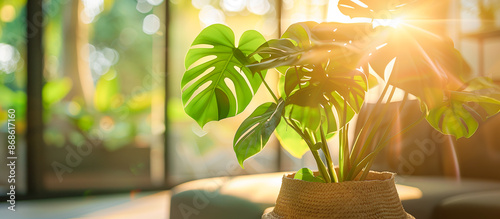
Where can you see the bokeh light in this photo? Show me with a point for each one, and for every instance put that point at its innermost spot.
(101, 60)
(143, 6)
(233, 5)
(74, 108)
(107, 124)
(259, 7)
(92, 8)
(155, 2)
(151, 24)
(210, 15)
(7, 13)
(9, 58)
(199, 4)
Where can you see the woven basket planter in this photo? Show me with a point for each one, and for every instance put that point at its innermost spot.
(376, 197)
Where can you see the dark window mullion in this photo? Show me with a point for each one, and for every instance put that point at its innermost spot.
(35, 143)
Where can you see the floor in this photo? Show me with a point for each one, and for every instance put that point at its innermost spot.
(123, 206)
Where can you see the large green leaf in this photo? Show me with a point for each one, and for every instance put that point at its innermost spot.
(456, 116)
(306, 174)
(482, 84)
(426, 66)
(483, 106)
(312, 43)
(280, 53)
(276, 53)
(254, 132)
(300, 33)
(343, 44)
(288, 50)
(321, 93)
(211, 61)
(290, 140)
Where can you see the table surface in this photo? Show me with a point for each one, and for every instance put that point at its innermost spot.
(123, 206)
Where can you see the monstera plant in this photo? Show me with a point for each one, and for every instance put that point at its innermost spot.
(325, 71)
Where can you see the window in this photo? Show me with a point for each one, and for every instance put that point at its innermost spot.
(102, 94)
(103, 98)
(95, 85)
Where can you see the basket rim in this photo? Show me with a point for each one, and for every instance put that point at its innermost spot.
(386, 176)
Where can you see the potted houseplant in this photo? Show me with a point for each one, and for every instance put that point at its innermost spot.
(325, 70)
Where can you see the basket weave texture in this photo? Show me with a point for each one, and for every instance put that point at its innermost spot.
(375, 197)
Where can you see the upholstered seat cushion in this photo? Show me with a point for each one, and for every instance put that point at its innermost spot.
(471, 205)
(225, 197)
(437, 189)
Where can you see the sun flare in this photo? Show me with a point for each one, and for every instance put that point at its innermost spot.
(395, 23)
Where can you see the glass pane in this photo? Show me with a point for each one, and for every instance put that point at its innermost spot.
(195, 152)
(479, 30)
(104, 94)
(13, 94)
(479, 15)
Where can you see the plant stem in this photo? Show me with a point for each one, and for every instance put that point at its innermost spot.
(362, 132)
(374, 127)
(355, 171)
(346, 148)
(268, 88)
(368, 161)
(319, 162)
(341, 155)
(370, 157)
(359, 157)
(367, 170)
(310, 143)
(326, 150)
(321, 166)
(377, 149)
(344, 145)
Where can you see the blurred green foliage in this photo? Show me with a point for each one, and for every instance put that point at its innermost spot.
(53, 91)
(13, 84)
(121, 101)
(120, 109)
(106, 90)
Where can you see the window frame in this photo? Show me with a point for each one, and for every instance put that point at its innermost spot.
(36, 147)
